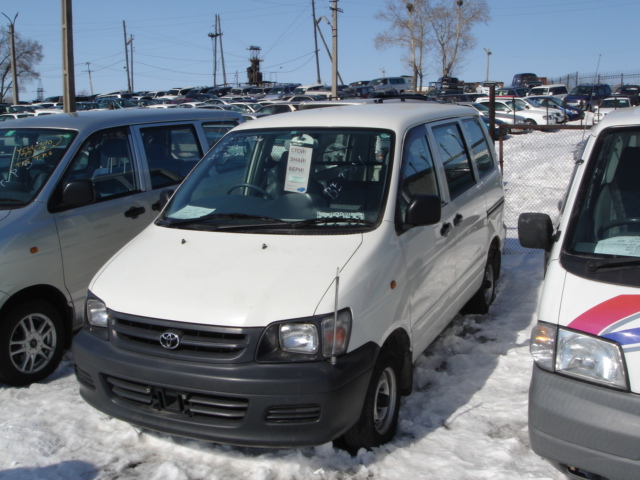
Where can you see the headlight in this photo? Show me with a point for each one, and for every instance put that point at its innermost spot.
(305, 339)
(97, 313)
(578, 355)
(590, 358)
(299, 338)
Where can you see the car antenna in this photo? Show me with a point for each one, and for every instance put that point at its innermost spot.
(335, 319)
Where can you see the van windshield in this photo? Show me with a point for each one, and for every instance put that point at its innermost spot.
(284, 179)
(606, 220)
(27, 159)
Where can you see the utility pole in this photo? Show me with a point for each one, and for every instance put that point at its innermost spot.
(68, 72)
(126, 56)
(130, 43)
(214, 39)
(324, 42)
(315, 37)
(14, 73)
(334, 60)
(88, 64)
(215, 36)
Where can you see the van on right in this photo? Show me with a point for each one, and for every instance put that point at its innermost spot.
(584, 402)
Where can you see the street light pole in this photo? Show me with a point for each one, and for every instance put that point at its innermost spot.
(488, 57)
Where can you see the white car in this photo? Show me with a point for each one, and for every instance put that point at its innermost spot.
(609, 105)
(517, 106)
(285, 291)
(505, 117)
(557, 89)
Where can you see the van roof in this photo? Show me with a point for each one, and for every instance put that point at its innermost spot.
(94, 120)
(396, 116)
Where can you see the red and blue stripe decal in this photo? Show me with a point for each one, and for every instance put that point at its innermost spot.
(610, 318)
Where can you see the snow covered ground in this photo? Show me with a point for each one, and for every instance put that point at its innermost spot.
(466, 419)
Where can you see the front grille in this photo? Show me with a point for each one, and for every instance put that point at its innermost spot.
(294, 414)
(218, 410)
(202, 343)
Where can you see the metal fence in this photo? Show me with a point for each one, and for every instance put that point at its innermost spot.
(537, 167)
(614, 79)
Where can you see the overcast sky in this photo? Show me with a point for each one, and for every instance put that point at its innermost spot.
(172, 46)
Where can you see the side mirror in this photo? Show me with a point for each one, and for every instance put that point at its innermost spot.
(423, 210)
(165, 196)
(78, 193)
(535, 230)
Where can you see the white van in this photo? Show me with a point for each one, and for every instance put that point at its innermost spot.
(283, 294)
(399, 84)
(74, 188)
(584, 399)
(557, 90)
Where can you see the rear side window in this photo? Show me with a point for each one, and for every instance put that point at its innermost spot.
(171, 151)
(456, 161)
(480, 151)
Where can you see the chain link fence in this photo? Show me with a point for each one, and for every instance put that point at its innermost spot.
(537, 166)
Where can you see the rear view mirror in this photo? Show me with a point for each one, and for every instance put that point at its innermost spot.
(423, 210)
(535, 230)
(77, 193)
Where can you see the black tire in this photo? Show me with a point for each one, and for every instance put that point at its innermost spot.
(31, 343)
(486, 294)
(378, 421)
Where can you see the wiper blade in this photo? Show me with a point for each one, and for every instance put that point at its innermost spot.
(331, 221)
(594, 266)
(223, 216)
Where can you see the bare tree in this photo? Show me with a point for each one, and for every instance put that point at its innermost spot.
(28, 55)
(441, 28)
(452, 22)
(408, 29)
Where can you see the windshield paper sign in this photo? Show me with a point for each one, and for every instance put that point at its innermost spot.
(617, 319)
(298, 165)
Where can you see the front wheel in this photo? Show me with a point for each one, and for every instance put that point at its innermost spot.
(31, 343)
(378, 421)
(485, 295)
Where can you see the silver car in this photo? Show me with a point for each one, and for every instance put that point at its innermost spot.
(74, 188)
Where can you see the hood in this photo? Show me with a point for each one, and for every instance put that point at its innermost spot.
(607, 310)
(226, 279)
(4, 214)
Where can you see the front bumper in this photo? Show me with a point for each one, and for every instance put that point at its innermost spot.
(578, 424)
(247, 404)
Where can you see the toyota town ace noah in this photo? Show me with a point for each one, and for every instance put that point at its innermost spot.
(283, 294)
(74, 188)
(584, 398)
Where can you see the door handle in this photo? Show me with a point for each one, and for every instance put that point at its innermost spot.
(134, 212)
(446, 228)
(458, 219)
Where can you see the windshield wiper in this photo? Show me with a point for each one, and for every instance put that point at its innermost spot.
(331, 221)
(224, 216)
(594, 266)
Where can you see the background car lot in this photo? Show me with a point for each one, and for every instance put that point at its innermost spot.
(471, 396)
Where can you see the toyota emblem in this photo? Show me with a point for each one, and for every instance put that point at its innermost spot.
(170, 339)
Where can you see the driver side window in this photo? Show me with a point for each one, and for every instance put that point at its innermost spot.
(418, 175)
(106, 160)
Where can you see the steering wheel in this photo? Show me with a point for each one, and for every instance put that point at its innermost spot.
(261, 190)
(617, 223)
